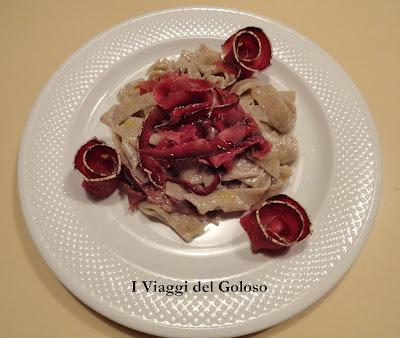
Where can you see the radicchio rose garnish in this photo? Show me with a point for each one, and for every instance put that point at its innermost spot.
(277, 224)
(249, 49)
(100, 166)
(300, 209)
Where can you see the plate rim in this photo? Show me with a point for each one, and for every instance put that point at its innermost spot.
(252, 325)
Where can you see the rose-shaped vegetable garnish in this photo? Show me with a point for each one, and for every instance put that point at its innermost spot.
(249, 49)
(300, 210)
(277, 224)
(100, 166)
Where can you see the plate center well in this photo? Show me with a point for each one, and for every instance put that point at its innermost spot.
(223, 250)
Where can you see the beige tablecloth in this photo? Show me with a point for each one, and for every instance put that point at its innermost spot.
(36, 36)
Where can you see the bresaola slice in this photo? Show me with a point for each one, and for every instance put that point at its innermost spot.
(100, 166)
(249, 49)
(277, 224)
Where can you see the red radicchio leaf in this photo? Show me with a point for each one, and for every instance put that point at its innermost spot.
(209, 123)
(147, 85)
(151, 166)
(101, 189)
(226, 116)
(243, 134)
(100, 166)
(200, 147)
(184, 112)
(180, 90)
(277, 224)
(261, 148)
(249, 48)
(183, 148)
(234, 134)
(197, 85)
(205, 161)
(184, 133)
(197, 116)
(227, 156)
(224, 98)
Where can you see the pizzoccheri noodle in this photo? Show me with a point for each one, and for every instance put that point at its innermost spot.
(199, 137)
(250, 180)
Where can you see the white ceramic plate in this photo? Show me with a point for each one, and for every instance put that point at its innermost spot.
(97, 249)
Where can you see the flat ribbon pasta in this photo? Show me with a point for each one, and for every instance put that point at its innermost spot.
(186, 226)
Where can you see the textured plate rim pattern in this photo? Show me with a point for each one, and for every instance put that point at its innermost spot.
(319, 77)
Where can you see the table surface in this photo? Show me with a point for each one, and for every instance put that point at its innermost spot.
(36, 36)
